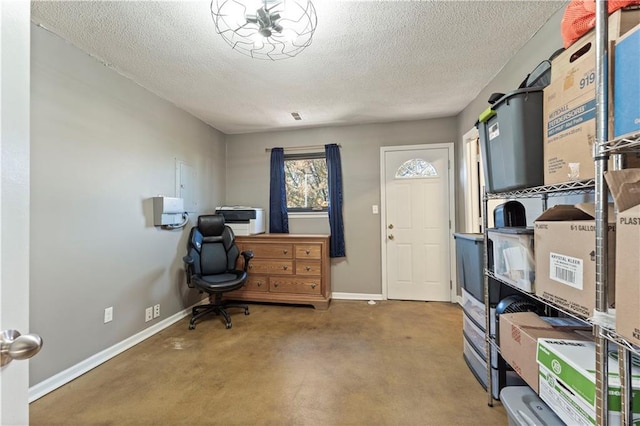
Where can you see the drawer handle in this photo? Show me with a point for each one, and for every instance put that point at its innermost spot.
(276, 285)
(313, 285)
(307, 251)
(259, 283)
(308, 268)
(285, 251)
(250, 266)
(285, 267)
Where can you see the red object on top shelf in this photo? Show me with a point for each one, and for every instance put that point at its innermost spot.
(580, 16)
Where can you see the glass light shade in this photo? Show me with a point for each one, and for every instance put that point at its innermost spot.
(265, 29)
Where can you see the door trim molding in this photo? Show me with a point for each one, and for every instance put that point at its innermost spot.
(452, 217)
(470, 181)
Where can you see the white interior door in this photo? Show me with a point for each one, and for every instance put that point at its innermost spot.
(14, 200)
(417, 207)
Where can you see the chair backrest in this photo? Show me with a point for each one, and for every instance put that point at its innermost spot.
(212, 246)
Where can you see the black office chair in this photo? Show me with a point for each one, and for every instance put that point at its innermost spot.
(211, 266)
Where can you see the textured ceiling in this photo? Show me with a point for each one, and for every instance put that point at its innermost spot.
(370, 61)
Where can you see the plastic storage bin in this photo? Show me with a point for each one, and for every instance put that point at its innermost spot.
(474, 335)
(499, 377)
(511, 141)
(469, 270)
(475, 310)
(524, 408)
(513, 256)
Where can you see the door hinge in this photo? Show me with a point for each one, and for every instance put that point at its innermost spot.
(449, 224)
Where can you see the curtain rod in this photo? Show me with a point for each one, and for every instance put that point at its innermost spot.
(300, 148)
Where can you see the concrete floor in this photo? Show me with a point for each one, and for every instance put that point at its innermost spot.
(393, 363)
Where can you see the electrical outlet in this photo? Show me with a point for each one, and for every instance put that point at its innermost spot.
(148, 314)
(108, 314)
(156, 311)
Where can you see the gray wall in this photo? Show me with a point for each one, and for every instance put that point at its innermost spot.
(248, 184)
(101, 146)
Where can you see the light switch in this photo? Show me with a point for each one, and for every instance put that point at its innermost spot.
(374, 209)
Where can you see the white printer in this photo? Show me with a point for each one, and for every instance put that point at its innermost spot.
(243, 220)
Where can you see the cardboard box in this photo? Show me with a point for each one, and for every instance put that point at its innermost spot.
(567, 381)
(565, 257)
(569, 105)
(519, 334)
(626, 84)
(625, 189)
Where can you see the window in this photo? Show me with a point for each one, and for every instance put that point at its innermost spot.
(416, 168)
(306, 182)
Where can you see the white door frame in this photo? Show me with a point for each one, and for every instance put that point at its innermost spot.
(452, 217)
(14, 199)
(472, 211)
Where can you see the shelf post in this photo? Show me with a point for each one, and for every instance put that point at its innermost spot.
(624, 365)
(601, 158)
(487, 304)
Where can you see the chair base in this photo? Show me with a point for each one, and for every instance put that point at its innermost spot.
(218, 307)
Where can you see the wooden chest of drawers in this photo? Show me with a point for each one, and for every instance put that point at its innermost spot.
(286, 268)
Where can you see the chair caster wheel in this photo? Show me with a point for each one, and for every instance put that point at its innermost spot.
(192, 326)
(246, 312)
(228, 325)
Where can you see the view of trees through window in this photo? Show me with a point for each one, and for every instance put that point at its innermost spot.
(306, 182)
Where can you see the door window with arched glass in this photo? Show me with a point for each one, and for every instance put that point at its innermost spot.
(416, 168)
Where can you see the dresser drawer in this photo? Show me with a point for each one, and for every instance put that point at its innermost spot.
(308, 251)
(308, 267)
(281, 267)
(298, 285)
(268, 250)
(256, 283)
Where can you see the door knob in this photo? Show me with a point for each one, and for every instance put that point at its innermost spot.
(391, 236)
(390, 226)
(14, 346)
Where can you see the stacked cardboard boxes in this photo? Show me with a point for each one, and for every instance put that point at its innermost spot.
(567, 381)
(569, 106)
(565, 257)
(519, 334)
(625, 188)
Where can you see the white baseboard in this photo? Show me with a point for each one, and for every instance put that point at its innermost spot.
(356, 296)
(71, 373)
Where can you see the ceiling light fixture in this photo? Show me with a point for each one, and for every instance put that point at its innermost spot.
(265, 29)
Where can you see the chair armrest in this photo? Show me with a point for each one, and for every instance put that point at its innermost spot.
(248, 255)
(188, 269)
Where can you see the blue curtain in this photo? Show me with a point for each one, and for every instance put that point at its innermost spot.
(334, 170)
(278, 218)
